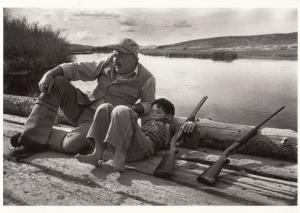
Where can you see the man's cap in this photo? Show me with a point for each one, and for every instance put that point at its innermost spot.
(126, 46)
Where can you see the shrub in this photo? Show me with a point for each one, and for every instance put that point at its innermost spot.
(223, 56)
(29, 51)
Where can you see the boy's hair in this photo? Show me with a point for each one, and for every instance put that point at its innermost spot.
(165, 105)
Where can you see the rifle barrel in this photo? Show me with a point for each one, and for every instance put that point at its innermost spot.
(271, 116)
(210, 175)
(196, 109)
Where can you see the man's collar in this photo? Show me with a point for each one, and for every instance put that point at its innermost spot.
(136, 69)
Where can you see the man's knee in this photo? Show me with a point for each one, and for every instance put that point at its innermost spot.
(106, 107)
(75, 141)
(73, 146)
(61, 88)
(121, 110)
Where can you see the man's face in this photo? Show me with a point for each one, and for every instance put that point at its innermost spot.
(157, 113)
(124, 63)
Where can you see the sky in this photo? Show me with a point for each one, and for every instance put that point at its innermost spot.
(158, 26)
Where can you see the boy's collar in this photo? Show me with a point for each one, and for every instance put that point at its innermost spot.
(165, 120)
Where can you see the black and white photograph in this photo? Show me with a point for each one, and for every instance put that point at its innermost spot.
(129, 103)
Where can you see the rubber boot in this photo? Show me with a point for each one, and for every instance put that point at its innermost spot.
(38, 125)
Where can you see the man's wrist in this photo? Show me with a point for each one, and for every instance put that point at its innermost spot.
(138, 108)
(55, 71)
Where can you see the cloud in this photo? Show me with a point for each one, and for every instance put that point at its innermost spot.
(127, 22)
(127, 29)
(63, 29)
(97, 14)
(181, 24)
(82, 36)
(172, 25)
(130, 30)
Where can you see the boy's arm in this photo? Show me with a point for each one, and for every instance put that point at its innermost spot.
(170, 132)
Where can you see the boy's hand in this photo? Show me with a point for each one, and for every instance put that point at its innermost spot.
(188, 126)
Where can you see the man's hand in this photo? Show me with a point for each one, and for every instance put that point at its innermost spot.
(46, 83)
(138, 108)
(188, 126)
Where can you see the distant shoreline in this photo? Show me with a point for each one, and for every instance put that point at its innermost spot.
(289, 54)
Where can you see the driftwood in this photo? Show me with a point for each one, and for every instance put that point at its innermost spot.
(269, 142)
(22, 106)
(51, 178)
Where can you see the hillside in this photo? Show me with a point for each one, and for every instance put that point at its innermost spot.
(76, 48)
(237, 41)
(270, 46)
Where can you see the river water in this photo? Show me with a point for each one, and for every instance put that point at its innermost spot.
(244, 91)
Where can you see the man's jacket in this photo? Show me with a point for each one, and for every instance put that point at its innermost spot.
(110, 89)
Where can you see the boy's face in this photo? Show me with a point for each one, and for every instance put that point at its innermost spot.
(157, 113)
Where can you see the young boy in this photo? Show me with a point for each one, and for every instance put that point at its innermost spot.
(132, 142)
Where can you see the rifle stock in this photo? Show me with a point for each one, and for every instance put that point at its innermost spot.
(210, 175)
(165, 168)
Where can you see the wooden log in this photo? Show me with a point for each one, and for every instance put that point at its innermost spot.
(22, 106)
(232, 188)
(231, 184)
(58, 175)
(239, 186)
(279, 169)
(269, 142)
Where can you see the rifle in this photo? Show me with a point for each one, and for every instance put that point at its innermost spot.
(210, 175)
(165, 168)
